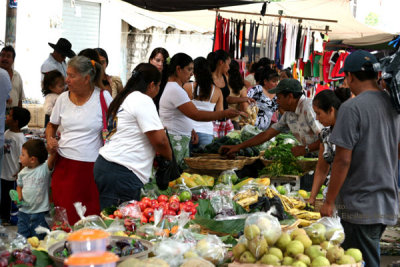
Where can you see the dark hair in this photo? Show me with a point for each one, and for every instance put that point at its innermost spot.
(181, 60)
(327, 99)
(343, 93)
(101, 52)
(296, 95)
(264, 62)
(84, 66)
(159, 50)
(203, 77)
(50, 79)
(36, 148)
(214, 57)
(235, 78)
(265, 74)
(22, 115)
(288, 72)
(367, 74)
(9, 48)
(142, 76)
(91, 54)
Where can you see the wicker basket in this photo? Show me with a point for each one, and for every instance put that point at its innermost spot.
(206, 163)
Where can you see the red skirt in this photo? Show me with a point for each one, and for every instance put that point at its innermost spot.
(73, 181)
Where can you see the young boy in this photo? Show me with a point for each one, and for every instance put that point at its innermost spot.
(13, 141)
(33, 185)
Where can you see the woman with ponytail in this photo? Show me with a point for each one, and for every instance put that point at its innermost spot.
(124, 164)
(77, 115)
(326, 105)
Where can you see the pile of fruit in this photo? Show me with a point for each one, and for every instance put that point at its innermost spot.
(17, 256)
(314, 246)
(193, 180)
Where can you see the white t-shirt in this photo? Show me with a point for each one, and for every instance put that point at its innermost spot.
(171, 117)
(49, 102)
(35, 183)
(17, 91)
(129, 146)
(81, 126)
(12, 150)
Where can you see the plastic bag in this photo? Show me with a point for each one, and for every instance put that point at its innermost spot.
(247, 196)
(153, 232)
(51, 238)
(196, 262)
(117, 227)
(228, 177)
(59, 220)
(130, 209)
(248, 132)
(179, 189)
(91, 221)
(326, 229)
(10, 240)
(172, 251)
(211, 248)
(221, 201)
(184, 235)
(263, 226)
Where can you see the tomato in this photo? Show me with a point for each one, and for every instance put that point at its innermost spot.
(162, 198)
(174, 198)
(189, 203)
(143, 219)
(111, 216)
(193, 211)
(142, 206)
(174, 206)
(146, 201)
(192, 217)
(188, 208)
(118, 214)
(171, 212)
(151, 219)
(148, 212)
(154, 204)
(182, 206)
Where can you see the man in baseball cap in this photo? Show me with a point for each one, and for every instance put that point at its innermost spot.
(56, 60)
(363, 185)
(299, 119)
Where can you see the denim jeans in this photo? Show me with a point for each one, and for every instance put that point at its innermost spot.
(205, 139)
(116, 183)
(28, 222)
(366, 238)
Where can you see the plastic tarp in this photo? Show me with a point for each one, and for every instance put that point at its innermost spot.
(184, 5)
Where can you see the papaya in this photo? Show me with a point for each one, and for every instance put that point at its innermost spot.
(242, 183)
(190, 182)
(198, 179)
(209, 180)
(263, 181)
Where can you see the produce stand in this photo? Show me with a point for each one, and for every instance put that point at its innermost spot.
(238, 264)
(293, 180)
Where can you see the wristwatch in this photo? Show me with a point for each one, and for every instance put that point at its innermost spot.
(307, 149)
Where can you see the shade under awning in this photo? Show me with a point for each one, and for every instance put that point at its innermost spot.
(185, 5)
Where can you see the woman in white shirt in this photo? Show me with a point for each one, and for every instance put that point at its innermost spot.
(125, 161)
(177, 110)
(77, 115)
(205, 96)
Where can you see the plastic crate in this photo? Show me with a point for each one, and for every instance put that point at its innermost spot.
(293, 180)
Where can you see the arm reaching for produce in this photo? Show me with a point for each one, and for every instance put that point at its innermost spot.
(340, 168)
(256, 140)
(239, 99)
(302, 151)
(190, 110)
(321, 172)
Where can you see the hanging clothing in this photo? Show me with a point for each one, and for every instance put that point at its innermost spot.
(262, 45)
(339, 64)
(238, 42)
(225, 33)
(250, 43)
(277, 54)
(255, 42)
(218, 36)
(284, 39)
(243, 39)
(326, 65)
(298, 41)
(307, 45)
(318, 42)
(317, 58)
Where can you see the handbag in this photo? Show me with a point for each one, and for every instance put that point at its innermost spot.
(104, 131)
(167, 171)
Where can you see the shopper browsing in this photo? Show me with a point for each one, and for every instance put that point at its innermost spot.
(363, 182)
(53, 86)
(13, 141)
(33, 186)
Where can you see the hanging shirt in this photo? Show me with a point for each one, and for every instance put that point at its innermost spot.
(307, 46)
(318, 42)
(298, 41)
(262, 45)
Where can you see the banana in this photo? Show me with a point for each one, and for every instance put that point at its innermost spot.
(248, 201)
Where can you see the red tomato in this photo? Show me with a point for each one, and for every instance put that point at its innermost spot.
(188, 208)
(151, 219)
(192, 217)
(145, 198)
(111, 216)
(146, 201)
(148, 212)
(118, 214)
(171, 212)
(193, 211)
(162, 198)
(154, 204)
(173, 198)
(142, 206)
(174, 206)
(143, 219)
(182, 206)
(189, 203)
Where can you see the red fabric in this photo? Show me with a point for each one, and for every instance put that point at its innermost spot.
(321, 88)
(225, 36)
(301, 66)
(73, 181)
(339, 64)
(326, 66)
(222, 128)
(218, 42)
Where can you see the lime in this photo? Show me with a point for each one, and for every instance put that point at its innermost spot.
(184, 196)
(303, 193)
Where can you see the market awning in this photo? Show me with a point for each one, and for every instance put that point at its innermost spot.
(185, 5)
(143, 19)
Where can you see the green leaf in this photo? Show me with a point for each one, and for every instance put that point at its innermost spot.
(232, 227)
(205, 209)
(238, 209)
(228, 239)
(42, 258)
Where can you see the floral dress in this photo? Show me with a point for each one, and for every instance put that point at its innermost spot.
(329, 151)
(266, 106)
